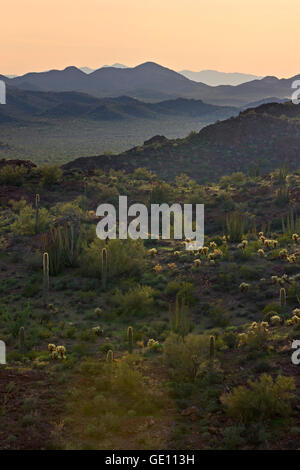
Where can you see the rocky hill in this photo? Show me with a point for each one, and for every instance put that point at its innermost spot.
(267, 136)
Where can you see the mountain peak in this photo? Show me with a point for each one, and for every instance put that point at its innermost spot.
(72, 68)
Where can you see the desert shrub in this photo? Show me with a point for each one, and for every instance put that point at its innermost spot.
(138, 301)
(12, 175)
(172, 287)
(124, 257)
(184, 358)
(14, 321)
(256, 337)
(235, 179)
(218, 316)
(142, 174)
(197, 196)
(230, 337)
(263, 399)
(50, 175)
(233, 437)
(68, 211)
(250, 273)
(25, 223)
(225, 281)
(161, 193)
(107, 395)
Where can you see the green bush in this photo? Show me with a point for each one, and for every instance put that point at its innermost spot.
(218, 315)
(184, 358)
(265, 398)
(25, 223)
(50, 175)
(138, 301)
(124, 257)
(12, 175)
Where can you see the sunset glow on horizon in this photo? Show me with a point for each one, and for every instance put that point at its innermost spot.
(249, 36)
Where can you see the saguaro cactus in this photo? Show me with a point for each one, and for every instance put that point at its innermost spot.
(37, 206)
(282, 297)
(104, 267)
(46, 281)
(212, 350)
(22, 339)
(130, 339)
(110, 356)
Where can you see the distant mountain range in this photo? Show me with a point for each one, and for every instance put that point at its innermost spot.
(88, 70)
(29, 106)
(209, 77)
(151, 82)
(266, 137)
(215, 78)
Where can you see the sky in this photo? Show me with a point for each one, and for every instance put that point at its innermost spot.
(249, 36)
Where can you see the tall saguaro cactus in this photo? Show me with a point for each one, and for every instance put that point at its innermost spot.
(130, 339)
(22, 339)
(110, 356)
(37, 207)
(104, 266)
(46, 280)
(212, 351)
(282, 297)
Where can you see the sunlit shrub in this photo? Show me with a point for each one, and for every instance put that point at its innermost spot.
(263, 399)
(138, 301)
(124, 257)
(25, 223)
(50, 175)
(185, 357)
(256, 338)
(12, 175)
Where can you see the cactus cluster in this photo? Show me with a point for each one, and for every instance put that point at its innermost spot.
(57, 352)
(243, 244)
(268, 242)
(244, 287)
(152, 252)
(204, 251)
(179, 321)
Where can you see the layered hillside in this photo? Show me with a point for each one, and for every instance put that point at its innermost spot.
(267, 136)
(33, 106)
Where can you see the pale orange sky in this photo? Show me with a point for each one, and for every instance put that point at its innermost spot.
(251, 36)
